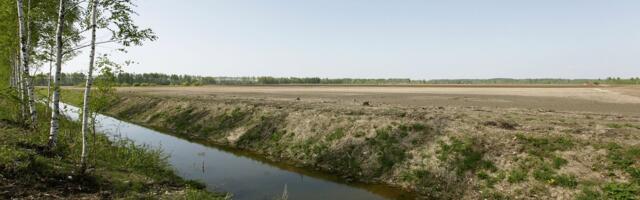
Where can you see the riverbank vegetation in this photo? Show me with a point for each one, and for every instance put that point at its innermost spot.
(116, 170)
(437, 152)
(43, 154)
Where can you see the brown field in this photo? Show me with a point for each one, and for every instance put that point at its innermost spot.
(609, 100)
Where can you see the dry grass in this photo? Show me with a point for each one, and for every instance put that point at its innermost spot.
(466, 152)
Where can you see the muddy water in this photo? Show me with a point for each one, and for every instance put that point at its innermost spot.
(243, 174)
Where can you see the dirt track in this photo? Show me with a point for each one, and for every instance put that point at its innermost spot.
(612, 100)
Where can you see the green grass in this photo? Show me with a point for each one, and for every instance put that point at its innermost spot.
(622, 157)
(626, 159)
(544, 146)
(267, 128)
(489, 179)
(544, 161)
(464, 155)
(613, 191)
(621, 191)
(558, 162)
(517, 175)
(335, 135)
(546, 173)
(228, 121)
(588, 193)
(74, 97)
(387, 145)
(564, 180)
(116, 169)
(614, 125)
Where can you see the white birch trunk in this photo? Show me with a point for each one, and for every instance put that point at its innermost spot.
(24, 61)
(23, 110)
(87, 89)
(49, 82)
(55, 114)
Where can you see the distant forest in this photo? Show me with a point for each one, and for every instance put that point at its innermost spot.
(151, 79)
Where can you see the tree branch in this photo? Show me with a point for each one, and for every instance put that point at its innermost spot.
(88, 45)
(70, 7)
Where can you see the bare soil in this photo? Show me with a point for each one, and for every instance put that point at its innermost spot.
(609, 100)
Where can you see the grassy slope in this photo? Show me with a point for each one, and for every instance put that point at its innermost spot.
(442, 153)
(117, 170)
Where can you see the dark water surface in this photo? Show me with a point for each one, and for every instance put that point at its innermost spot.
(243, 174)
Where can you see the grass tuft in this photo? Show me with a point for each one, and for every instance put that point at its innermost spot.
(464, 155)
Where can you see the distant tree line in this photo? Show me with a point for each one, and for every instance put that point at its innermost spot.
(316, 80)
(151, 79)
(610, 80)
(148, 79)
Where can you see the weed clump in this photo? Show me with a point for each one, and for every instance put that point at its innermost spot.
(621, 191)
(335, 135)
(388, 148)
(625, 159)
(544, 147)
(558, 162)
(267, 129)
(489, 179)
(502, 123)
(464, 155)
(517, 175)
(615, 191)
(544, 161)
(589, 193)
(219, 125)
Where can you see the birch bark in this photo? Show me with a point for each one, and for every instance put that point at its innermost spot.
(87, 89)
(49, 85)
(55, 114)
(21, 89)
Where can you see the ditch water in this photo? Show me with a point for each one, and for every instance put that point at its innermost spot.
(245, 175)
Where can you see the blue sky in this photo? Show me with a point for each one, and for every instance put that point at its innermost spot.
(389, 39)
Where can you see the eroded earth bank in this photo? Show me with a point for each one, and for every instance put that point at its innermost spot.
(442, 152)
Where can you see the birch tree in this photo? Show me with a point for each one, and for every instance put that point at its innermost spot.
(21, 89)
(116, 18)
(45, 37)
(55, 104)
(87, 89)
(66, 35)
(24, 63)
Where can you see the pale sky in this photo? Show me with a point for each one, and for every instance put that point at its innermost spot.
(418, 39)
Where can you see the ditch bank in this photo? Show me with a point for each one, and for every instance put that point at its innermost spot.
(436, 152)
